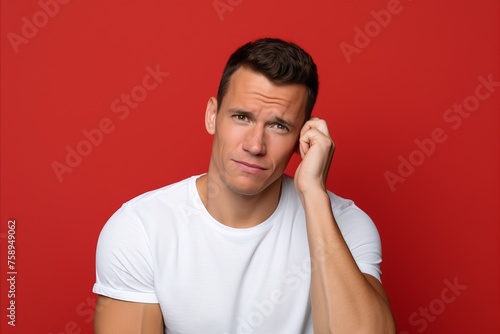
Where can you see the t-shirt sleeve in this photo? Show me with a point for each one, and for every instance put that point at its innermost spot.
(124, 262)
(362, 238)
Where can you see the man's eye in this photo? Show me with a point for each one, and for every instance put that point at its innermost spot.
(241, 117)
(280, 127)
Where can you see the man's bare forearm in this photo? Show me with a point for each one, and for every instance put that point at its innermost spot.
(344, 300)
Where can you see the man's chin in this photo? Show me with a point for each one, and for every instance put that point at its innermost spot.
(248, 187)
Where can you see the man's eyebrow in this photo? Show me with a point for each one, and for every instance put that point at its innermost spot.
(275, 119)
(284, 122)
(240, 111)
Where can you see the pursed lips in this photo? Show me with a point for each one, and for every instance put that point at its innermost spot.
(246, 165)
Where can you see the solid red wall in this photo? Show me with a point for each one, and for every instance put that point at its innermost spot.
(410, 90)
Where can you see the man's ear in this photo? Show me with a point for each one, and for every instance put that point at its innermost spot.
(211, 115)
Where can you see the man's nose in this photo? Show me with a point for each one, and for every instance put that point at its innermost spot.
(255, 141)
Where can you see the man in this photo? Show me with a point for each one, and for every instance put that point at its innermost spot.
(244, 248)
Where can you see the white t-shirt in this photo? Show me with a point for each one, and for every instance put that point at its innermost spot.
(164, 247)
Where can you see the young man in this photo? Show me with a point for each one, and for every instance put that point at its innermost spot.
(244, 248)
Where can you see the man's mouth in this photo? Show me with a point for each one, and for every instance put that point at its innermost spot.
(249, 167)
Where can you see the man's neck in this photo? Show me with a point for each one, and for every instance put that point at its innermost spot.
(237, 210)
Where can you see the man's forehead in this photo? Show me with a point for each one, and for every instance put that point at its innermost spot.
(247, 85)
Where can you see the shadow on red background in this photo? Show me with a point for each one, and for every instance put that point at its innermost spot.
(104, 100)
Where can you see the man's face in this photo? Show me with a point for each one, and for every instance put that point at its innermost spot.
(255, 131)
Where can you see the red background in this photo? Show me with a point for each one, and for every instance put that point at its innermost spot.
(440, 226)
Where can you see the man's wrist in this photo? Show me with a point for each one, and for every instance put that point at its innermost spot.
(314, 197)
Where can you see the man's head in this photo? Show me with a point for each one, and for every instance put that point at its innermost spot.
(266, 95)
(280, 62)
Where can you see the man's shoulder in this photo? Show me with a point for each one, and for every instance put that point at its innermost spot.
(167, 194)
(156, 206)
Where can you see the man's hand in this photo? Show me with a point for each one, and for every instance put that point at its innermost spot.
(316, 149)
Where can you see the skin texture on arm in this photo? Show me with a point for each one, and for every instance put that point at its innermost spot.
(114, 316)
(343, 299)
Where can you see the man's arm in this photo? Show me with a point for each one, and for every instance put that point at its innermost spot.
(343, 299)
(114, 316)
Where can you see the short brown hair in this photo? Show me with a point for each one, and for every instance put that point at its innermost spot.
(279, 61)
